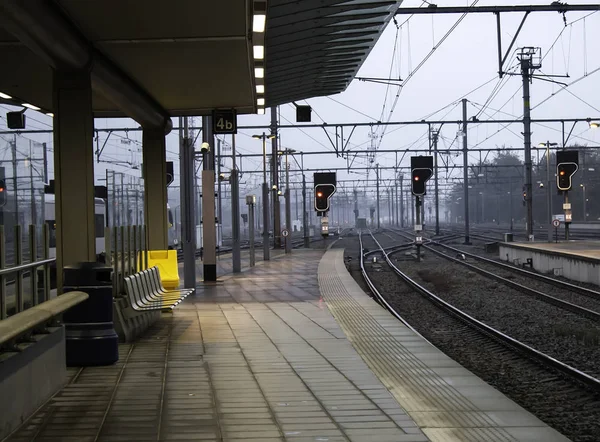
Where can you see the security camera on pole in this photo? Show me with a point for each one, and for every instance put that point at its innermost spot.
(421, 171)
(567, 163)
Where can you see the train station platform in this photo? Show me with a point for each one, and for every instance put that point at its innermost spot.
(575, 260)
(290, 350)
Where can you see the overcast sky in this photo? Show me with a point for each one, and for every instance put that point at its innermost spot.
(466, 60)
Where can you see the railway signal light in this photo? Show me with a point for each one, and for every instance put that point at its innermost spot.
(567, 163)
(322, 194)
(421, 171)
(2, 193)
(564, 172)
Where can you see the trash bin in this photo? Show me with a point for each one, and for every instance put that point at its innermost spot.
(91, 338)
(508, 237)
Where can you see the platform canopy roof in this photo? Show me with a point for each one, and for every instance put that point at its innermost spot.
(316, 47)
(152, 59)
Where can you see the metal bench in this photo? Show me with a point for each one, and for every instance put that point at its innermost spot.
(146, 292)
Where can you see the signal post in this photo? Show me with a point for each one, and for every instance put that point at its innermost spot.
(421, 171)
(325, 187)
(567, 163)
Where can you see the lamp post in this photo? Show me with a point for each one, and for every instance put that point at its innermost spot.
(288, 206)
(584, 203)
(265, 195)
(547, 145)
(510, 210)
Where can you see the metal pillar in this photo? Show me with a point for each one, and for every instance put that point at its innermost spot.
(296, 202)
(548, 192)
(235, 213)
(219, 199)
(304, 214)
(401, 202)
(208, 204)
(392, 209)
(398, 200)
(525, 72)
(187, 183)
(435, 171)
(251, 225)
(265, 202)
(73, 169)
(584, 204)
(419, 222)
(288, 206)
(567, 223)
(154, 165)
(465, 170)
(377, 185)
(276, 205)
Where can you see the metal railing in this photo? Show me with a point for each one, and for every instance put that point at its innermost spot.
(19, 328)
(14, 298)
(126, 252)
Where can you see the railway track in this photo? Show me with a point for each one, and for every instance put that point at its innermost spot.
(549, 361)
(579, 300)
(560, 394)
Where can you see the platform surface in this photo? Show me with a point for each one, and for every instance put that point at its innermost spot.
(260, 357)
(584, 249)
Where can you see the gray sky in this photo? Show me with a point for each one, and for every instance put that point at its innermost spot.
(466, 59)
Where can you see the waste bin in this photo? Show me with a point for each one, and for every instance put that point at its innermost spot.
(91, 338)
(508, 237)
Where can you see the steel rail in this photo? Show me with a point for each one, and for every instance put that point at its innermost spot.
(572, 372)
(378, 297)
(565, 305)
(561, 284)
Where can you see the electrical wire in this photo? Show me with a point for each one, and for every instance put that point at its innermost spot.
(421, 64)
(352, 109)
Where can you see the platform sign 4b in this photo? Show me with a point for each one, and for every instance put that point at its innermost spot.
(224, 121)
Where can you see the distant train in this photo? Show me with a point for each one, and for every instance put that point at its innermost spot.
(9, 219)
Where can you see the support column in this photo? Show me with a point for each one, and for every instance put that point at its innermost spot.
(465, 171)
(187, 178)
(235, 214)
(208, 204)
(73, 170)
(304, 212)
(525, 72)
(154, 172)
(377, 183)
(276, 205)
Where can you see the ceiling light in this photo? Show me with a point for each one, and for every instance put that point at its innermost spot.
(260, 88)
(258, 24)
(260, 102)
(261, 111)
(2, 95)
(593, 124)
(259, 52)
(31, 106)
(259, 72)
(50, 114)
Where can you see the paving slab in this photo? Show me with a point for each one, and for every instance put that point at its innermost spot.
(446, 401)
(260, 357)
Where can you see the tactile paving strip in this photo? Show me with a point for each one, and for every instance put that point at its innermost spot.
(426, 396)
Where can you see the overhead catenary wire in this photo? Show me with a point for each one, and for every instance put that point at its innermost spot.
(421, 64)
